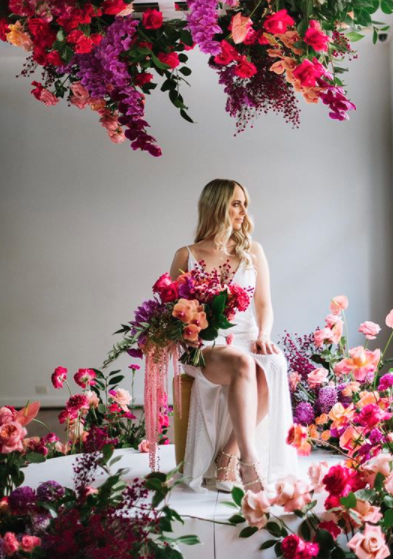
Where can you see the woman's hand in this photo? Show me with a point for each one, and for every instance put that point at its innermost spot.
(264, 345)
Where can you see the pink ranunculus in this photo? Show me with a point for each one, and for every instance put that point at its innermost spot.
(85, 377)
(143, 446)
(7, 415)
(292, 493)
(316, 473)
(389, 319)
(121, 397)
(294, 378)
(315, 37)
(307, 73)
(278, 23)
(254, 508)
(162, 282)
(28, 543)
(10, 544)
(338, 304)
(59, 377)
(320, 336)
(11, 437)
(370, 329)
(92, 398)
(317, 377)
(360, 362)
(370, 544)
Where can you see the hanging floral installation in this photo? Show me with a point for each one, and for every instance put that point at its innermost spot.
(110, 54)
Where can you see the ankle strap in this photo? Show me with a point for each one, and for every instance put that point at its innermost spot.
(254, 464)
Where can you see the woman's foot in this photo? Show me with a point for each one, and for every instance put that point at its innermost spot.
(252, 479)
(226, 471)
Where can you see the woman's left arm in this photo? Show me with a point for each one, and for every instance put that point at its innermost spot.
(263, 303)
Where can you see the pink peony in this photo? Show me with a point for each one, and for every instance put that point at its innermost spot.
(315, 37)
(10, 544)
(7, 415)
(370, 544)
(291, 493)
(254, 508)
(316, 472)
(338, 304)
(11, 437)
(389, 319)
(369, 329)
(278, 23)
(121, 397)
(85, 377)
(28, 543)
(317, 377)
(143, 446)
(59, 377)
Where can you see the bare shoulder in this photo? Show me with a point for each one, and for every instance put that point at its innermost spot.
(179, 263)
(181, 253)
(256, 251)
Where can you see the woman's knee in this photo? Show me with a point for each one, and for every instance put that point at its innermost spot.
(243, 365)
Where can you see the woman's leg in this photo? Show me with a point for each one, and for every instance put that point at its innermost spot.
(237, 370)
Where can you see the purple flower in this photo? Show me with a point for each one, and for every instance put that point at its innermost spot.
(335, 98)
(327, 397)
(50, 491)
(375, 436)
(145, 312)
(202, 21)
(385, 382)
(136, 353)
(40, 522)
(304, 413)
(22, 500)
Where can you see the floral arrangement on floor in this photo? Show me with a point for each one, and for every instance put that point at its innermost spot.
(101, 54)
(340, 395)
(90, 521)
(103, 413)
(189, 310)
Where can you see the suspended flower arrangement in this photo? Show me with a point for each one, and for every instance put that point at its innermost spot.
(110, 54)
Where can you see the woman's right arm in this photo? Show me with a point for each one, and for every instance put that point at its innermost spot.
(180, 263)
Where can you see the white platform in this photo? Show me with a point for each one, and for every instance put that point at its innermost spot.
(218, 541)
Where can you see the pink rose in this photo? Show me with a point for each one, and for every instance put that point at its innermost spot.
(292, 493)
(381, 463)
(11, 436)
(307, 73)
(389, 319)
(315, 37)
(7, 415)
(152, 19)
(370, 544)
(92, 399)
(28, 543)
(59, 377)
(254, 508)
(331, 320)
(294, 378)
(171, 59)
(337, 332)
(162, 282)
(365, 512)
(317, 376)
(227, 55)
(245, 69)
(170, 293)
(80, 95)
(369, 329)
(360, 362)
(10, 544)
(316, 472)
(338, 304)
(278, 23)
(85, 377)
(320, 336)
(143, 446)
(121, 397)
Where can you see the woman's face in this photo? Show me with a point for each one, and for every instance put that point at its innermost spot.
(237, 208)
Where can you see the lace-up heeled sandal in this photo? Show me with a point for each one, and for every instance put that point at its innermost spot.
(226, 484)
(258, 478)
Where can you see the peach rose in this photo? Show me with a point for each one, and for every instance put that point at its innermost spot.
(340, 415)
(313, 431)
(316, 472)
(18, 37)
(297, 437)
(121, 397)
(367, 398)
(289, 39)
(6, 415)
(11, 437)
(381, 463)
(389, 319)
(254, 508)
(361, 513)
(351, 388)
(338, 304)
(370, 329)
(325, 435)
(294, 378)
(80, 96)
(317, 376)
(370, 544)
(360, 363)
(291, 493)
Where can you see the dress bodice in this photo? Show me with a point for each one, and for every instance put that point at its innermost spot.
(245, 323)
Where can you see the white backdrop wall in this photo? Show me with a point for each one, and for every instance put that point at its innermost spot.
(87, 226)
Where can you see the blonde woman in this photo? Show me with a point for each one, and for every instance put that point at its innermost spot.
(240, 405)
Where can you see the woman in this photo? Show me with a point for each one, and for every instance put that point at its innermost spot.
(240, 409)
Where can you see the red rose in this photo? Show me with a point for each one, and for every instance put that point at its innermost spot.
(277, 23)
(96, 38)
(74, 36)
(54, 58)
(245, 69)
(336, 480)
(315, 37)
(227, 55)
(330, 527)
(187, 47)
(162, 282)
(170, 293)
(152, 19)
(84, 45)
(113, 7)
(307, 72)
(290, 545)
(143, 78)
(171, 59)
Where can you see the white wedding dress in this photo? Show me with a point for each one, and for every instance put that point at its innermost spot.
(209, 423)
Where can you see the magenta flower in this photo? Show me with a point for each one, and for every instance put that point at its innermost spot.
(134, 367)
(59, 377)
(386, 382)
(77, 403)
(85, 377)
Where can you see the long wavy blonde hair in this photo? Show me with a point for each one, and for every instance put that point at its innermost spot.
(214, 222)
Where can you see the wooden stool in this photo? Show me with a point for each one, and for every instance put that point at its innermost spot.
(180, 424)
